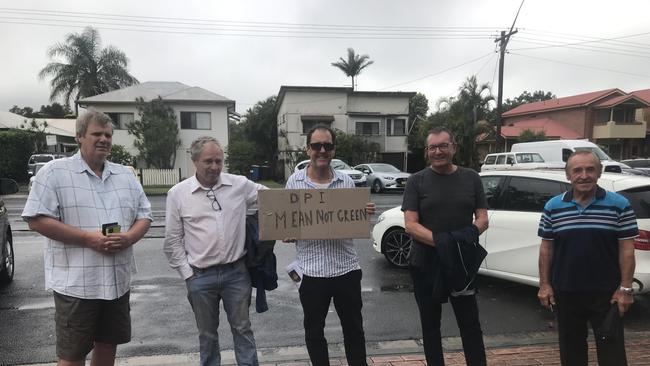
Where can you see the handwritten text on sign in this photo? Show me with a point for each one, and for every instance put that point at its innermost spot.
(314, 213)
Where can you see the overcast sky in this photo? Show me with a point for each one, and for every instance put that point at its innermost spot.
(245, 50)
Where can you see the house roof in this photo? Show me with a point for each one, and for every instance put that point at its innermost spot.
(550, 127)
(167, 90)
(286, 88)
(55, 126)
(642, 94)
(563, 103)
(622, 99)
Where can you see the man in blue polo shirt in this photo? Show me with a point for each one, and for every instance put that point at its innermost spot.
(586, 261)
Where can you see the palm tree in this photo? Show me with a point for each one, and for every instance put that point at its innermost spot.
(353, 65)
(87, 70)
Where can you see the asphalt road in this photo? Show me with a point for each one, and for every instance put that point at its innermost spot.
(163, 321)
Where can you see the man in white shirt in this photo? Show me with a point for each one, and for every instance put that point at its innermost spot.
(205, 242)
(89, 272)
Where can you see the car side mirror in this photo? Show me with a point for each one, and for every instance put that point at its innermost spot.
(8, 186)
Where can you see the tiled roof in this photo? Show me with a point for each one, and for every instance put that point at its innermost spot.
(562, 103)
(642, 94)
(549, 126)
(616, 100)
(168, 90)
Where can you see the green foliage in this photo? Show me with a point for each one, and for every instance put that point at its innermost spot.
(38, 131)
(460, 115)
(418, 107)
(354, 149)
(16, 149)
(353, 65)
(25, 111)
(531, 136)
(254, 140)
(527, 97)
(240, 156)
(156, 133)
(120, 155)
(87, 69)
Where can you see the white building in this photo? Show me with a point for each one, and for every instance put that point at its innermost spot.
(199, 112)
(380, 117)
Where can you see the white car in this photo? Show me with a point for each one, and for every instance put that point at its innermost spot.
(357, 176)
(380, 176)
(515, 200)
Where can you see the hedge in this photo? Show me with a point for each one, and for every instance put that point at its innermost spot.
(16, 146)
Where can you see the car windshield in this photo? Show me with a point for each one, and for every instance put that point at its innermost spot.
(641, 163)
(384, 168)
(529, 158)
(42, 158)
(339, 165)
(599, 153)
(639, 200)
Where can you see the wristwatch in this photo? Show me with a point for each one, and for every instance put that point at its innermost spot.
(626, 290)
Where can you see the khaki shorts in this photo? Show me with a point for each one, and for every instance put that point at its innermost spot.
(82, 322)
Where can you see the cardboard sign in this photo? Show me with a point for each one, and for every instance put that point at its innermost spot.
(314, 213)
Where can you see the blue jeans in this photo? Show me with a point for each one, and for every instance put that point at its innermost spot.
(230, 282)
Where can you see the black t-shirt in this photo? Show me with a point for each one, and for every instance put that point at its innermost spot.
(444, 202)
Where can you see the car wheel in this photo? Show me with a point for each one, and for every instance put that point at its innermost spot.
(7, 271)
(376, 186)
(397, 245)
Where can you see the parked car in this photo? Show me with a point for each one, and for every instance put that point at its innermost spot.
(515, 200)
(7, 186)
(519, 160)
(37, 160)
(357, 176)
(639, 164)
(380, 176)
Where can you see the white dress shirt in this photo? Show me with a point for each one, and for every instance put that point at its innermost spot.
(200, 235)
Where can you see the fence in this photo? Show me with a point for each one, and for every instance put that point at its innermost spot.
(159, 177)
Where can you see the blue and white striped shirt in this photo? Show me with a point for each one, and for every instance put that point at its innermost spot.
(585, 240)
(324, 257)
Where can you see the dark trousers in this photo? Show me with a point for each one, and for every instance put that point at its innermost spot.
(466, 311)
(315, 296)
(574, 310)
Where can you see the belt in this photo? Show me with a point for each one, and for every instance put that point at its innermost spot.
(217, 266)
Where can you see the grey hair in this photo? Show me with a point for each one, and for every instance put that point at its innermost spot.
(599, 165)
(439, 130)
(91, 115)
(197, 146)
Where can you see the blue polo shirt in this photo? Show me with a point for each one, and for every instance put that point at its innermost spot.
(585, 240)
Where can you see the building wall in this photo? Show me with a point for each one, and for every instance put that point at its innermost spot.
(219, 130)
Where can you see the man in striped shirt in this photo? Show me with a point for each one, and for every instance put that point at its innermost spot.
(330, 266)
(586, 261)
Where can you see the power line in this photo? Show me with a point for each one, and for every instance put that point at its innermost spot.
(605, 50)
(583, 66)
(585, 42)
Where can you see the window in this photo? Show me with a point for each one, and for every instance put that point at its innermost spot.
(367, 128)
(120, 120)
(491, 187)
(602, 115)
(530, 195)
(501, 159)
(308, 125)
(195, 121)
(395, 127)
(490, 159)
(625, 115)
(639, 200)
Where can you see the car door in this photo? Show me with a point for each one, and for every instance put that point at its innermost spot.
(492, 186)
(511, 240)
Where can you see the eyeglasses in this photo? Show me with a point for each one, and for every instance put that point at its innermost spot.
(316, 146)
(210, 194)
(442, 147)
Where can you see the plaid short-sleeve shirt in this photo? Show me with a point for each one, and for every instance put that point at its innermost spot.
(68, 190)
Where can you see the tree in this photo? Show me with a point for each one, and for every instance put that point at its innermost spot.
(120, 155)
(527, 97)
(240, 156)
(528, 135)
(87, 69)
(25, 111)
(418, 107)
(54, 110)
(354, 149)
(353, 65)
(38, 132)
(156, 133)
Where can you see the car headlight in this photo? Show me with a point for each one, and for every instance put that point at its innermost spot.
(381, 218)
(389, 178)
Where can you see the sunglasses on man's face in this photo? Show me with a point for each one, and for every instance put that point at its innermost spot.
(316, 146)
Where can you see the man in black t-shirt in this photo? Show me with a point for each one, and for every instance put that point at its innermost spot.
(439, 199)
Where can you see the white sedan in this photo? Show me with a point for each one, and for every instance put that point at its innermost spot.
(515, 202)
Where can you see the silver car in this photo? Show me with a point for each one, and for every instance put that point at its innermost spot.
(381, 177)
(7, 186)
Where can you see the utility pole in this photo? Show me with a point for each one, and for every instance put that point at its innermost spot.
(503, 43)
